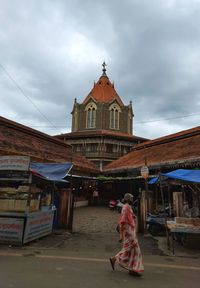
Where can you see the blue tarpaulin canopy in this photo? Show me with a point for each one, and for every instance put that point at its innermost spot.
(51, 171)
(180, 174)
(153, 180)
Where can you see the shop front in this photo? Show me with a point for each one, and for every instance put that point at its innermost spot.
(180, 195)
(26, 198)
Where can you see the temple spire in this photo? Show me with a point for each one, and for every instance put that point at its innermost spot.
(104, 68)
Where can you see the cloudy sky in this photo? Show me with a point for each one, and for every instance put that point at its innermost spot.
(52, 51)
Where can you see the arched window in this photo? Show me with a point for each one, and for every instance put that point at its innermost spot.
(114, 116)
(112, 121)
(129, 128)
(91, 115)
(75, 120)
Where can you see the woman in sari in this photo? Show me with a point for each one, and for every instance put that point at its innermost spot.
(130, 256)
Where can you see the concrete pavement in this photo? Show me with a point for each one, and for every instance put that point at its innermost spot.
(81, 259)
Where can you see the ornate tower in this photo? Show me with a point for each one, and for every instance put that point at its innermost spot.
(102, 124)
(102, 109)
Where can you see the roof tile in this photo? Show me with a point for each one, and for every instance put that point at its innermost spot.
(182, 146)
(104, 91)
(92, 133)
(17, 139)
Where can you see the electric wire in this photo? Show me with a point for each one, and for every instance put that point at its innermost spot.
(56, 127)
(165, 119)
(137, 122)
(24, 94)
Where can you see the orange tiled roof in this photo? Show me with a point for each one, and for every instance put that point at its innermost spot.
(174, 149)
(104, 91)
(93, 133)
(17, 139)
(169, 138)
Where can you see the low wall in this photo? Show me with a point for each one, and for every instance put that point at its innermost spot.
(83, 203)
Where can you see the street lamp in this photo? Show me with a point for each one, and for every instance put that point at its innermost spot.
(144, 172)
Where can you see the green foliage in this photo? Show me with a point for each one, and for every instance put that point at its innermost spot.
(109, 178)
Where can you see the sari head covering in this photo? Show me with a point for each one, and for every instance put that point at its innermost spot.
(128, 197)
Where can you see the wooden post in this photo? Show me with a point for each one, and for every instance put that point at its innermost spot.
(29, 193)
(144, 202)
(142, 208)
(169, 200)
(156, 197)
(146, 190)
(70, 212)
(140, 225)
(161, 190)
(163, 203)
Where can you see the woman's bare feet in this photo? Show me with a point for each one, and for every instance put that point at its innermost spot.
(134, 273)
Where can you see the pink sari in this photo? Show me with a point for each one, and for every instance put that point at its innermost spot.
(130, 256)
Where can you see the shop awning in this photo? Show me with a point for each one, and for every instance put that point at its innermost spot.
(51, 171)
(153, 180)
(180, 174)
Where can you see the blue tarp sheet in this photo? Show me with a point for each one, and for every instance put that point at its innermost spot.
(153, 180)
(51, 171)
(180, 174)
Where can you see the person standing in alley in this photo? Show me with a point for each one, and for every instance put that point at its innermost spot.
(95, 197)
(130, 256)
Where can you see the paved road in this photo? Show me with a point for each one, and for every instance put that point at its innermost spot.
(81, 260)
(60, 271)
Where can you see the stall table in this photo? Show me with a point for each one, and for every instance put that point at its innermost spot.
(173, 227)
(21, 228)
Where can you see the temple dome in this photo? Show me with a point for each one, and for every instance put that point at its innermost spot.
(104, 91)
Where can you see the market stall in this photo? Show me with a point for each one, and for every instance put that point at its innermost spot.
(180, 228)
(184, 204)
(26, 198)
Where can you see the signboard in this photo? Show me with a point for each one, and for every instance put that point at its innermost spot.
(11, 230)
(145, 172)
(14, 175)
(38, 225)
(18, 163)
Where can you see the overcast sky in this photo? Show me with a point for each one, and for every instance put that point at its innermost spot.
(53, 50)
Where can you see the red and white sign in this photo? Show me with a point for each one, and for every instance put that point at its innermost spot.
(145, 172)
(11, 230)
(38, 225)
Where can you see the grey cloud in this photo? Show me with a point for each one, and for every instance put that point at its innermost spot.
(54, 50)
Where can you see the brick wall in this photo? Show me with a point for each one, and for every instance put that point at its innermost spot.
(103, 118)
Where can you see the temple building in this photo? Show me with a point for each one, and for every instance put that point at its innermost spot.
(102, 126)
